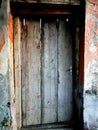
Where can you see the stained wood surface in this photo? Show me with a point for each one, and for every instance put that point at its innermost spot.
(49, 73)
(65, 98)
(49, 1)
(17, 67)
(46, 72)
(31, 96)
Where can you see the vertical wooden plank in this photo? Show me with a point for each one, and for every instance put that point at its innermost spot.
(31, 94)
(10, 73)
(17, 69)
(34, 72)
(49, 73)
(65, 101)
(23, 74)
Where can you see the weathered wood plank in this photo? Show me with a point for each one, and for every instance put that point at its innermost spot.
(50, 1)
(65, 97)
(23, 77)
(31, 94)
(46, 74)
(17, 68)
(49, 73)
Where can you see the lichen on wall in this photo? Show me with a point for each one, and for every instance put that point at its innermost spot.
(91, 67)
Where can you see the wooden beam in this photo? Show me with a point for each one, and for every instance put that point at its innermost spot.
(42, 9)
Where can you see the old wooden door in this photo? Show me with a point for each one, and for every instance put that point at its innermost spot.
(46, 59)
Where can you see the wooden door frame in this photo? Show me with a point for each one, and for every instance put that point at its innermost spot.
(26, 10)
(43, 9)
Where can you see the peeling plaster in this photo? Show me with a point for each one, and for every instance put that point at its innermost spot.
(91, 67)
(4, 60)
(4, 54)
(91, 111)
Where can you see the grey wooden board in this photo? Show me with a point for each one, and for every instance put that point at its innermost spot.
(31, 94)
(65, 97)
(49, 73)
(46, 77)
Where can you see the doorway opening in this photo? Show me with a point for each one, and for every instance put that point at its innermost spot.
(46, 44)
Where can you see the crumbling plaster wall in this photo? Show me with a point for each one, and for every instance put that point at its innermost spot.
(6, 66)
(91, 67)
(4, 69)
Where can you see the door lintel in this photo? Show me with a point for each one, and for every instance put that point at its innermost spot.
(43, 9)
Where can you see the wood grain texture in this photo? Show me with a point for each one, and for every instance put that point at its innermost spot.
(17, 68)
(49, 71)
(31, 95)
(46, 72)
(65, 97)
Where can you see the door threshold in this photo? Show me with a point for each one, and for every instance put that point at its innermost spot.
(59, 125)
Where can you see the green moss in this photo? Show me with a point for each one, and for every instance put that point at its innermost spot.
(4, 122)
